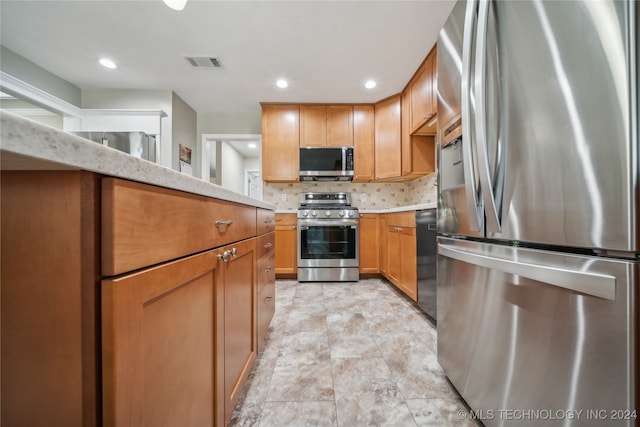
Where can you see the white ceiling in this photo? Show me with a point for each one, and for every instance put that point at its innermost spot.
(326, 49)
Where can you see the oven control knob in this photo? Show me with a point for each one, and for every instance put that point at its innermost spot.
(351, 213)
(342, 213)
(327, 213)
(305, 214)
(314, 214)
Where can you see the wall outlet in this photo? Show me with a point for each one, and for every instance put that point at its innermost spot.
(284, 197)
(363, 197)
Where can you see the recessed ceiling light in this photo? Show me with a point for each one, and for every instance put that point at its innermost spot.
(282, 83)
(176, 4)
(106, 62)
(252, 145)
(370, 84)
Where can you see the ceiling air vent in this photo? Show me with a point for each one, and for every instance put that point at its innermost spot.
(204, 62)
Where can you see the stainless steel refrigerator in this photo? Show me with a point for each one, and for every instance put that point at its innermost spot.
(538, 210)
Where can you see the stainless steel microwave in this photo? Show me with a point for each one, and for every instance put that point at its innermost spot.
(326, 163)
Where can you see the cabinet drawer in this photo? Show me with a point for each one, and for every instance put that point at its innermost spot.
(266, 271)
(143, 225)
(265, 246)
(266, 307)
(265, 221)
(287, 218)
(402, 219)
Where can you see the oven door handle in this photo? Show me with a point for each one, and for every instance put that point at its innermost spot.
(312, 223)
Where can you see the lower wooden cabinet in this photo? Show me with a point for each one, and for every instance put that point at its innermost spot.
(159, 333)
(369, 243)
(240, 351)
(286, 244)
(398, 251)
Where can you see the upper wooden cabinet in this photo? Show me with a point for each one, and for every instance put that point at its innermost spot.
(340, 125)
(280, 143)
(422, 92)
(418, 151)
(363, 143)
(387, 138)
(313, 125)
(326, 125)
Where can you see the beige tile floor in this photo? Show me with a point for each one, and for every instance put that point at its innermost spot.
(348, 354)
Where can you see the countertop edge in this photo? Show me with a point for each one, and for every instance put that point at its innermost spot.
(432, 205)
(29, 145)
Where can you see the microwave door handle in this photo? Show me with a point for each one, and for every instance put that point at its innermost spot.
(474, 203)
(344, 159)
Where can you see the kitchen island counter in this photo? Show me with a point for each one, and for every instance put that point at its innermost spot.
(29, 145)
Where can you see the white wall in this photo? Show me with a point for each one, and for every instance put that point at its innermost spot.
(184, 131)
(232, 171)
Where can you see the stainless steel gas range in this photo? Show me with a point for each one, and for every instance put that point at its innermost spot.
(327, 238)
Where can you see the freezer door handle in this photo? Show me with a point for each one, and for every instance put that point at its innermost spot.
(589, 283)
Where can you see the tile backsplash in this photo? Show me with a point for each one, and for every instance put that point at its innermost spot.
(371, 196)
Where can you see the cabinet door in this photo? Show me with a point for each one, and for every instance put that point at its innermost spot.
(387, 137)
(405, 116)
(408, 259)
(280, 143)
(286, 249)
(340, 125)
(313, 125)
(363, 143)
(421, 95)
(239, 321)
(159, 329)
(369, 244)
(393, 254)
(384, 245)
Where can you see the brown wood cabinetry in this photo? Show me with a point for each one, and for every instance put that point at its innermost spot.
(313, 125)
(387, 138)
(384, 244)
(422, 90)
(239, 322)
(146, 335)
(280, 143)
(369, 243)
(326, 125)
(400, 252)
(266, 276)
(340, 125)
(49, 275)
(159, 332)
(363, 143)
(286, 257)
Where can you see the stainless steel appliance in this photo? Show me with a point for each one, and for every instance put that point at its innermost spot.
(327, 238)
(427, 251)
(138, 144)
(326, 163)
(538, 210)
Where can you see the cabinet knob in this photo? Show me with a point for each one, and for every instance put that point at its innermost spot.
(224, 256)
(268, 299)
(234, 252)
(268, 269)
(268, 245)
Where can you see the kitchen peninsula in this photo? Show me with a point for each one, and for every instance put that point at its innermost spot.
(125, 286)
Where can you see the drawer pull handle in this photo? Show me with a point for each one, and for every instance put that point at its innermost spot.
(268, 245)
(268, 269)
(221, 223)
(268, 221)
(268, 299)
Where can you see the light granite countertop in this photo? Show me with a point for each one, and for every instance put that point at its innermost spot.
(28, 145)
(432, 205)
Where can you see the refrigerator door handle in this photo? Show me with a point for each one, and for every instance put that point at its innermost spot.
(493, 222)
(474, 203)
(588, 283)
